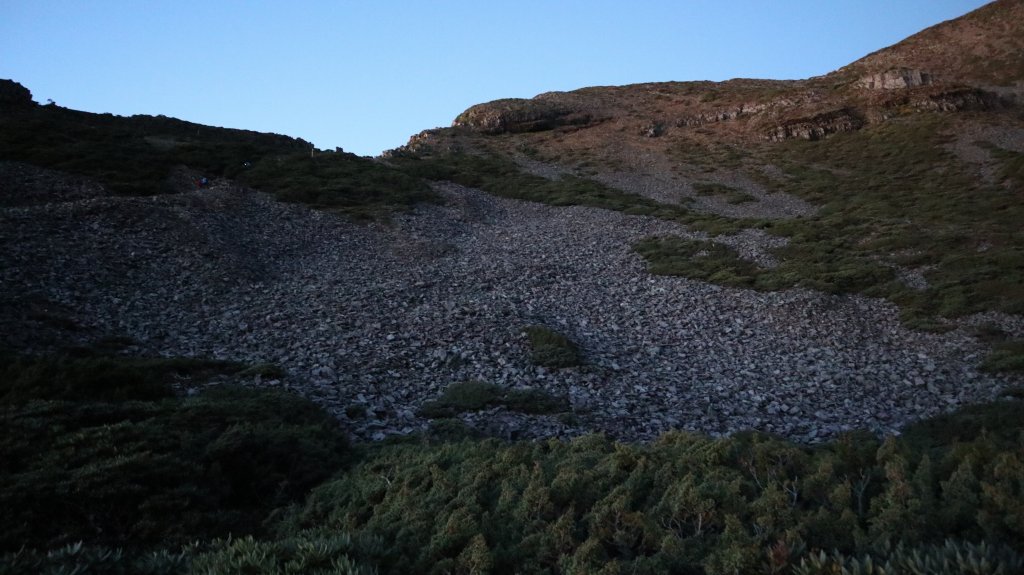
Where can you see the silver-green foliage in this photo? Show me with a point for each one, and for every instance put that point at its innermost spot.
(79, 559)
(952, 558)
(307, 554)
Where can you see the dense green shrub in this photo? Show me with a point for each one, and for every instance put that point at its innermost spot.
(154, 473)
(135, 465)
(469, 396)
(78, 559)
(1006, 356)
(310, 553)
(746, 504)
(548, 348)
(952, 558)
(95, 377)
(339, 181)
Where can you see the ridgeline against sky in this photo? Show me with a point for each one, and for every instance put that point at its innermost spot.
(366, 76)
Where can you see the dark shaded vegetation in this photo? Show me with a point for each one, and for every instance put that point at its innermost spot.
(894, 193)
(747, 504)
(131, 155)
(469, 396)
(702, 260)
(358, 186)
(502, 177)
(728, 194)
(137, 155)
(102, 450)
(550, 349)
(1012, 168)
(135, 474)
(1006, 356)
(91, 377)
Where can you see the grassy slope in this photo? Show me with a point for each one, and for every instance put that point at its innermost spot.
(895, 193)
(889, 195)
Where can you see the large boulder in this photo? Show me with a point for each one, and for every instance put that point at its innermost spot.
(816, 127)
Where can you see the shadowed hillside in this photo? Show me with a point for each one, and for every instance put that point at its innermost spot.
(752, 326)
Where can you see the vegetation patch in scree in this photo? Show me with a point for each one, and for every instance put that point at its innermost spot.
(136, 156)
(550, 349)
(728, 194)
(1012, 163)
(502, 177)
(469, 396)
(1006, 356)
(894, 193)
(697, 259)
(335, 180)
(889, 196)
(101, 450)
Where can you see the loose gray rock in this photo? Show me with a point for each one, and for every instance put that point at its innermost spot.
(373, 320)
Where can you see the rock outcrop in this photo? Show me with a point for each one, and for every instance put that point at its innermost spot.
(424, 143)
(958, 100)
(516, 115)
(896, 79)
(816, 127)
(14, 96)
(722, 115)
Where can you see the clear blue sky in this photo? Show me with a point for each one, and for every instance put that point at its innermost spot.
(367, 75)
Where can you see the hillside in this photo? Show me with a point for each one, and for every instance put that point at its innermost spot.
(753, 326)
(983, 48)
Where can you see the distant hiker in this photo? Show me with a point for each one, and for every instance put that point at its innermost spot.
(203, 182)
